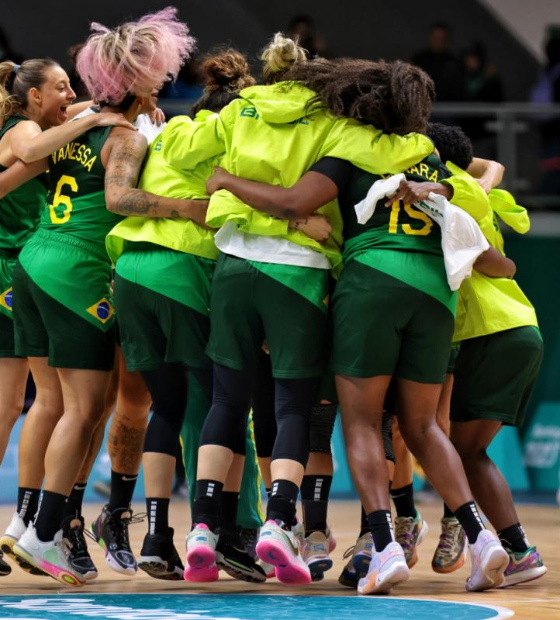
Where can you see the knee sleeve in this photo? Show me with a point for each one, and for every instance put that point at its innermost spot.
(264, 418)
(226, 421)
(387, 433)
(294, 401)
(168, 388)
(321, 428)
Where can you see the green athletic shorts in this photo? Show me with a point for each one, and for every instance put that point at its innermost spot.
(495, 375)
(284, 304)
(7, 264)
(46, 328)
(383, 326)
(162, 299)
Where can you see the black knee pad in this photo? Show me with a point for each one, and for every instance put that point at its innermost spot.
(387, 433)
(321, 428)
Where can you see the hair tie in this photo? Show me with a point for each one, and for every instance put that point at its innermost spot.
(16, 68)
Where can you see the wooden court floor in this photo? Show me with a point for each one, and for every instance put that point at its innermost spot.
(536, 600)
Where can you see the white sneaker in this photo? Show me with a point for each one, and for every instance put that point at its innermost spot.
(201, 555)
(489, 561)
(387, 569)
(315, 551)
(13, 533)
(280, 548)
(51, 556)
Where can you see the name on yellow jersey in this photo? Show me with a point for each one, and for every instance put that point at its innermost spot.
(76, 151)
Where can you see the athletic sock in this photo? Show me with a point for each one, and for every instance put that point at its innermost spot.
(364, 525)
(282, 503)
(74, 502)
(158, 514)
(49, 517)
(381, 528)
(470, 520)
(122, 490)
(315, 492)
(514, 538)
(268, 493)
(207, 503)
(447, 512)
(27, 503)
(229, 530)
(403, 498)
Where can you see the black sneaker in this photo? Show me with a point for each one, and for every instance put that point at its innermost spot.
(5, 568)
(110, 530)
(237, 563)
(159, 558)
(249, 539)
(78, 556)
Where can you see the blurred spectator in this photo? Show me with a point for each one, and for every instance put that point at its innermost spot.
(547, 90)
(302, 28)
(6, 51)
(478, 80)
(439, 62)
(75, 80)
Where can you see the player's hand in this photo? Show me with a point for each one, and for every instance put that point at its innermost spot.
(157, 117)
(317, 227)
(217, 180)
(410, 192)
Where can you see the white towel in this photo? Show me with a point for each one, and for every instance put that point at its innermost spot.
(462, 241)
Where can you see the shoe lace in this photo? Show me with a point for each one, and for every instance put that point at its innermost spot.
(448, 539)
(349, 552)
(404, 533)
(118, 526)
(75, 541)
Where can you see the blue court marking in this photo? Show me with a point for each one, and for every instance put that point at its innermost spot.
(238, 607)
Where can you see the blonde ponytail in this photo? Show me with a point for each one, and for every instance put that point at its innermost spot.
(280, 56)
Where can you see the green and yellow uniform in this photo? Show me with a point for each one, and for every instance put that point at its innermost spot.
(275, 284)
(393, 310)
(19, 216)
(164, 270)
(501, 346)
(63, 306)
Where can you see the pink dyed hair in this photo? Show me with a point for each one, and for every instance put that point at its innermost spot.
(134, 58)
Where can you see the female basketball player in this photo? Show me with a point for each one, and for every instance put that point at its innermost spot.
(90, 182)
(393, 272)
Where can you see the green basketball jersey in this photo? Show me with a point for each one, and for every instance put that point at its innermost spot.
(76, 197)
(399, 227)
(20, 210)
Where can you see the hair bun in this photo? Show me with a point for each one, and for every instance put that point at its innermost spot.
(226, 69)
(280, 56)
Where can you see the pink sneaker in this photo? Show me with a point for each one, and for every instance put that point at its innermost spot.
(281, 549)
(201, 555)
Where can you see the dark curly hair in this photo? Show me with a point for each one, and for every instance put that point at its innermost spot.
(225, 72)
(395, 97)
(452, 143)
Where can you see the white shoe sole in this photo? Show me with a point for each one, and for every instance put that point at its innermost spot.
(491, 570)
(524, 576)
(393, 576)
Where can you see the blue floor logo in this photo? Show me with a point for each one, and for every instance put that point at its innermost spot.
(237, 607)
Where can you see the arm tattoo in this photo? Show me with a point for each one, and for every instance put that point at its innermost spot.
(136, 202)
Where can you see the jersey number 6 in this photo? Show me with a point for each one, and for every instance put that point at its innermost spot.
(57, 216)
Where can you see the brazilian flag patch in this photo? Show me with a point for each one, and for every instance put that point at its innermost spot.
(102, 310)
(6, 299)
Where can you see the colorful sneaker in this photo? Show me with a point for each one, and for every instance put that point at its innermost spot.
(409, 533)
(524, 566)
(13, 533)
(249, 539)
(5, 568)
(489, 562)
(201, 554)
(279, 547)
(315, 551)
(237, 563)
(78, 555)
(451, 552)
(110, 530)
(51, 557)
(159, 558)
(358, 563)
(387, 569)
